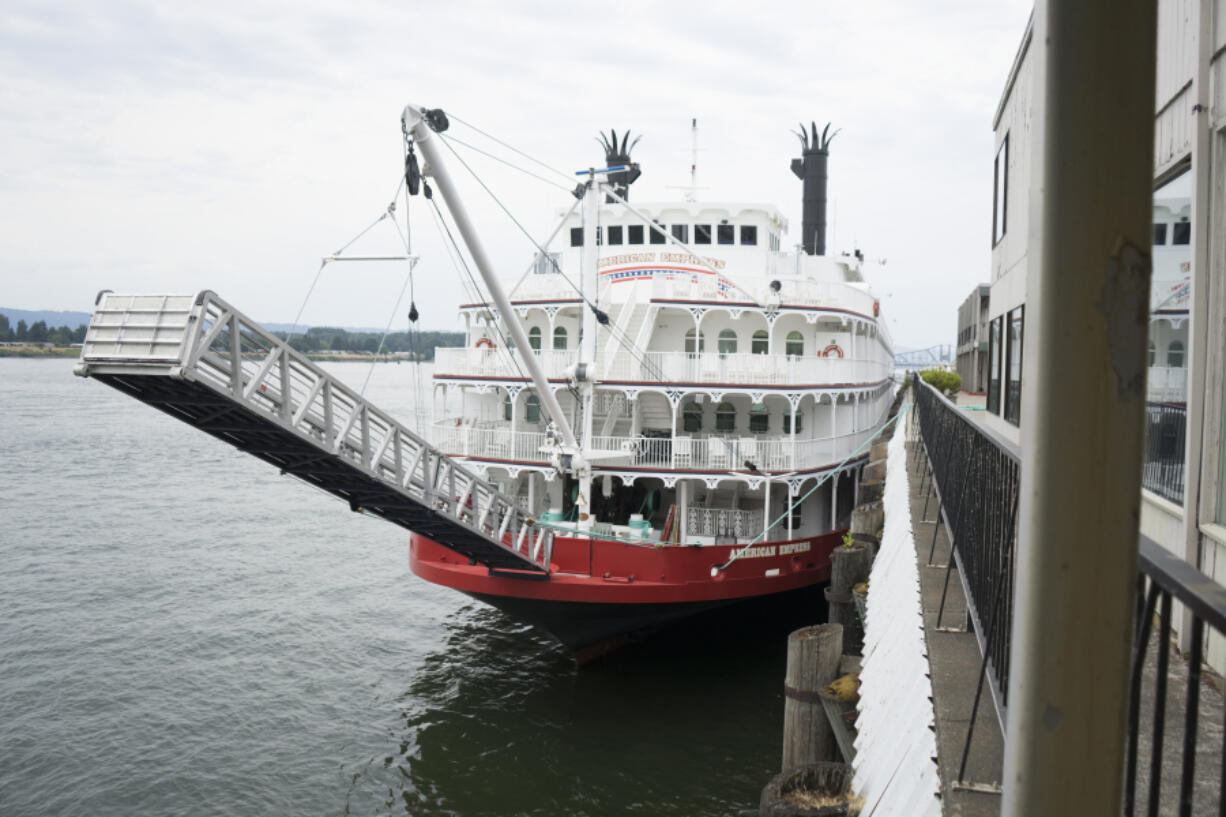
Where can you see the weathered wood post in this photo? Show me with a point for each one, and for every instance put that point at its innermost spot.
(813, 662)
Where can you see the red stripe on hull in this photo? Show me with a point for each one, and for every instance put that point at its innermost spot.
(608, 572)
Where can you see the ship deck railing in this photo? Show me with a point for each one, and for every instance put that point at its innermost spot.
(719, 452)
(683, 367)
(200, 360)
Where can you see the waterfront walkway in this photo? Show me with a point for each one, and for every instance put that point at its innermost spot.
(954, 661)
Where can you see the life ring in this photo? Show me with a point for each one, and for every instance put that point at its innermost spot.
(484, 343)
(876, 308)
(833, 350)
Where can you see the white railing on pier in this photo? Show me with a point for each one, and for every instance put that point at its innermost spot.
(185, 342)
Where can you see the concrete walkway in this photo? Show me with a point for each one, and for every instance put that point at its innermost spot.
(954, 661)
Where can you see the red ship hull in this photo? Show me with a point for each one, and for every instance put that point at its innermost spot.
(601, 593)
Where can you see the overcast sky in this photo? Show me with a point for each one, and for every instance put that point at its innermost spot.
(173, 147)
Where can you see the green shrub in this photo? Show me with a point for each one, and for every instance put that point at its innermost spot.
(947, 382)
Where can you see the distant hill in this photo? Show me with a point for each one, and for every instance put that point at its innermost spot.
(70, 319)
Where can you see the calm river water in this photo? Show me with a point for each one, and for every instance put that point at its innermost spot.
(183, 631)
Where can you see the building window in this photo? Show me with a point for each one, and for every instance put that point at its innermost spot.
(532, 409)
(681, 232)
(506, 408)
(702, 233)
(634, 234)
(1181, 232)
(657, 233)
(1174, 354)
(559, 337)
(725, 417)
(576, 236)
(749, 235)
(534, 338)
(759, 419)
(787, 423)
(691, 418)
(690, 347)
(727, 342)
(615, 235)
(1013, 367)
(1159, 234)
(725, 233)
(795, 345)
(994, 366)
(760, 342)
(1000, 194)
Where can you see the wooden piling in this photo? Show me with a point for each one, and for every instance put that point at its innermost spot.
(849, 566)
(813, 662)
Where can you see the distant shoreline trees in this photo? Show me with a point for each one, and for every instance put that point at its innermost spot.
(318, 339)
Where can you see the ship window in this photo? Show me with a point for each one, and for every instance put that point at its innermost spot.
(681, 232)
(576, 236)
(749, 235)
(727, 342)
(634, 234)
(725, 417)
(615, 235)
(1182, 232)
(797, 517)
(787, 423)
(1000, 191)
(689, 342)
(559, 337)
(702, 233)
(1153, 352)
(759, 418)
(532, 412)
(657, 233)
(1159, 234)
(725, 233)
(691, 418)
(506, 408)
(534, 338)
(795, 345)
(1174, 354)
(760, 343)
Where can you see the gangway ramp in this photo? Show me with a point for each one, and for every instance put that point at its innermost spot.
(200, 360)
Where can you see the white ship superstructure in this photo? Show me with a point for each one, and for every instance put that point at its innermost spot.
(732, 375)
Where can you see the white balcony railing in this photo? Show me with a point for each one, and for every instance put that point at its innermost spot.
(1167, 384)
(487, 362)
(688, 452)
(749, 369)
(677, 367)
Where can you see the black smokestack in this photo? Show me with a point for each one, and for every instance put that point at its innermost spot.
(619, 154)
(811, 167)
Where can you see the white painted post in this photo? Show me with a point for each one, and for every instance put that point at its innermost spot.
(683, 500)
(766, 507)
(1083, 404)
(834, 500)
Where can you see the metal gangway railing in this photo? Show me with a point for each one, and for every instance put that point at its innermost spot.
(200, 360)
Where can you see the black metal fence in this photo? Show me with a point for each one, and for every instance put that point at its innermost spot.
(1162, 470)
(976, 477)
(1201, 765)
